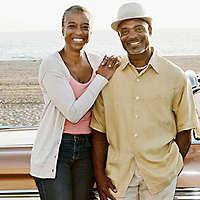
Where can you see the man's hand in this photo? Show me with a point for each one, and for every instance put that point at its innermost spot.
(103, 185)
(99, 155)
(183, 140)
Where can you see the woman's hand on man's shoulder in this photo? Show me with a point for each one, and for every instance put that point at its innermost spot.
(108, 66)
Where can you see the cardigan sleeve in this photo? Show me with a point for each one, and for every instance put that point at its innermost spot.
(61, 94)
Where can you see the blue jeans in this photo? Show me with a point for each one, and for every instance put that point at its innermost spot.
(74, 177)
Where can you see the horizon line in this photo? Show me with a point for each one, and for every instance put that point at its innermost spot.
(109, 30)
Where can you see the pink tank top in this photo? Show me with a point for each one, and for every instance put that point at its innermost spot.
(81, 127)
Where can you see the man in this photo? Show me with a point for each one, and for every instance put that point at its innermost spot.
(142, 119)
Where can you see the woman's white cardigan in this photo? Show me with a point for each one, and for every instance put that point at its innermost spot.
(60, 104)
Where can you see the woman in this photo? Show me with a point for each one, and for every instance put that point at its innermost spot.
(61, 160)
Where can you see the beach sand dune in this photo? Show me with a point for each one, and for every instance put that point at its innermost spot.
(21, 101)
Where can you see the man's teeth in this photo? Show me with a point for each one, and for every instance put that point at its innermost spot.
(78, 40)
(134, 42)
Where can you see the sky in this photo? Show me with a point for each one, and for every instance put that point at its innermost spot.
(45, 15)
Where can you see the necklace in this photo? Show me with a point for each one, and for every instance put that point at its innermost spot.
(140, 68)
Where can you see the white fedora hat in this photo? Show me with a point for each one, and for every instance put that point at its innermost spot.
(130, 11)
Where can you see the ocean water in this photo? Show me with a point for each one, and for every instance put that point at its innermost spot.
(36, 45)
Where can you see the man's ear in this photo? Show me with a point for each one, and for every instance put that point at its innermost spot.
(150, 30)
(63, 30)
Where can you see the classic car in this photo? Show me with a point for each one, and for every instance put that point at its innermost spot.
(15, 149)
(15, 181)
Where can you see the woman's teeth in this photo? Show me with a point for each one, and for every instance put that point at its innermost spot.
(78, 40)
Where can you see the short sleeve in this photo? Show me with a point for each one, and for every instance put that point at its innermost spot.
(197, 106)
(184, 107)
(98, 115)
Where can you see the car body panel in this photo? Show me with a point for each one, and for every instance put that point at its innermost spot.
(15, 151)
(190, 175)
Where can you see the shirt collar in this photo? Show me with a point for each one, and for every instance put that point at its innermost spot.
(153, 62)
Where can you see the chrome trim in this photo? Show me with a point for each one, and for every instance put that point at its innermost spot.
(15, 128)
(187, 194)
(180, 194)
(16, 146)
(19, 193)
(194, 189)
(187, 198)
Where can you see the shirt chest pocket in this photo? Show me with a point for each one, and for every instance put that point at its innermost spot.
(158, 96)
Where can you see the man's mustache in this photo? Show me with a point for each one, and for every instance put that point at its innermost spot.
(133, 40)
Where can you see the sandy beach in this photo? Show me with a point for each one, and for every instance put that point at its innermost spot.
(21, 101)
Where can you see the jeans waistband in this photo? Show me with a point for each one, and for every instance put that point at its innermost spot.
(68, 136)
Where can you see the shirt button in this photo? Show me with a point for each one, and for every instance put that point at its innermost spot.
(137, 79)
(137, 116)
(135, 135)
(137, 97)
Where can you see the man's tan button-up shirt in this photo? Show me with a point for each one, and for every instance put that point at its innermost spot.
(141, 115)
